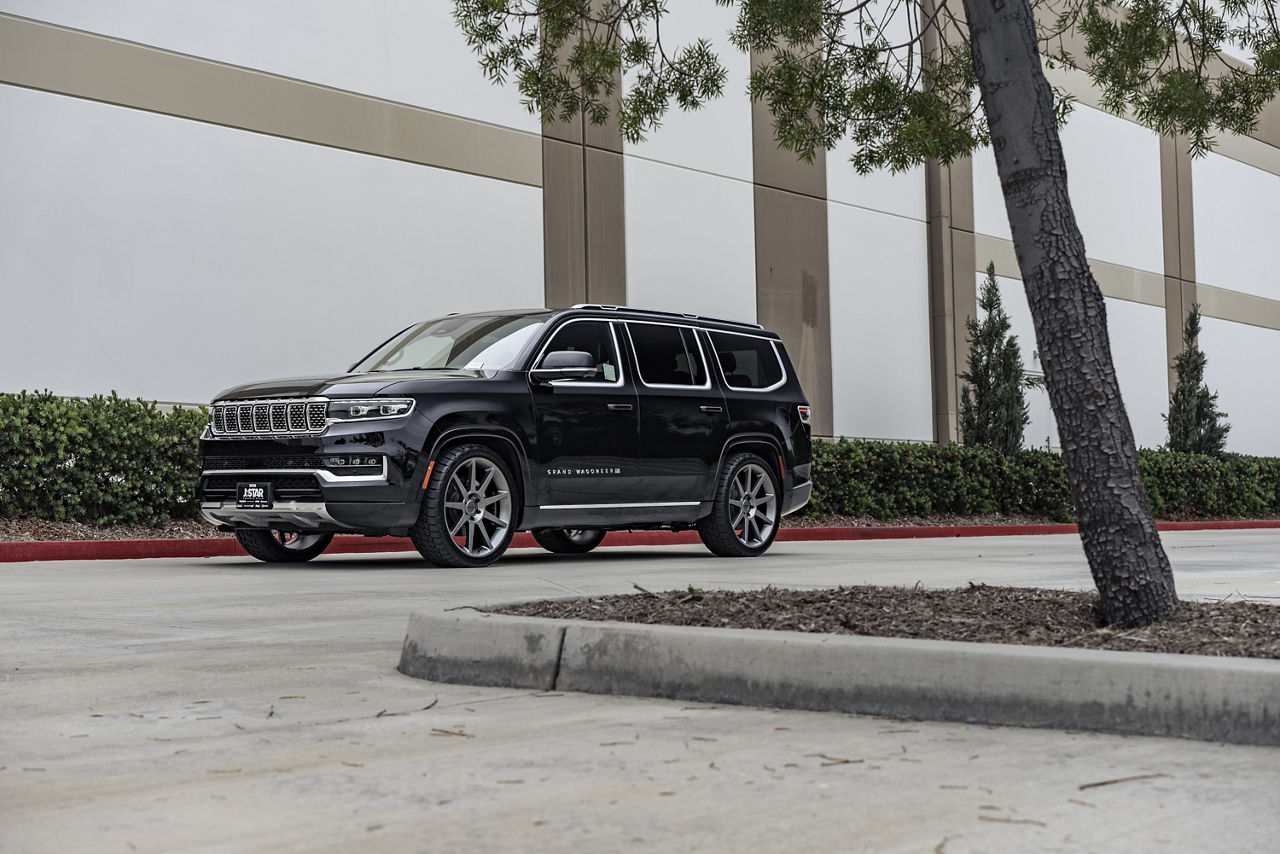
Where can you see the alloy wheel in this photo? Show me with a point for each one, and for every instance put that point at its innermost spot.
(477, 507)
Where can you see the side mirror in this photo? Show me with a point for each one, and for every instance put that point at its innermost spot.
(565, 365)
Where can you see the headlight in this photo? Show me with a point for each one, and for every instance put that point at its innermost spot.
(369, 410)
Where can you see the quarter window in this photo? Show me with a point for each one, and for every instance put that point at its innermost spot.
(747, 362)
(667, 355)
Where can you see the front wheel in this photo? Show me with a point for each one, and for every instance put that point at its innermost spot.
(468, 511)
(573, 541)
(282, 546)
(744, 516)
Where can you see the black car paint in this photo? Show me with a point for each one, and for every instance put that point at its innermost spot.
(567, 445)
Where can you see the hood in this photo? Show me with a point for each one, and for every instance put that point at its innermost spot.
(342, 385)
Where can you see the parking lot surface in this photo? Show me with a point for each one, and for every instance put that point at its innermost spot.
(225, 705)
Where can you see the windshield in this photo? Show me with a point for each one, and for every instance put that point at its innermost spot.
(460, 341)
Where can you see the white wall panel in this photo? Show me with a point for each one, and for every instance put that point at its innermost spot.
(1113, 173)
(716, 137)
(168, 259)
(902, 194)
(1241, 369)
(1137, 349)
(402, 50)
(881, 374)
(690, 241)
(1237, 208)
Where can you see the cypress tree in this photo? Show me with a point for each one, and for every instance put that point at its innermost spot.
(1196, 425)
(993, 407)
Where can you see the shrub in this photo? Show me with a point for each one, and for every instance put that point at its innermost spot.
(886, 480)
(103, 460)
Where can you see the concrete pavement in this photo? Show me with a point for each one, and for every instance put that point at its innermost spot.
(220, 704)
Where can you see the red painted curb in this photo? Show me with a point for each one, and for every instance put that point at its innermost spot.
(11, 552)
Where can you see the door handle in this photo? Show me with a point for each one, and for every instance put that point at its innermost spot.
(712, 408)
(620, 407)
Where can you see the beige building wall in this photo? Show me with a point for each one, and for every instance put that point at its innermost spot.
(321, 177)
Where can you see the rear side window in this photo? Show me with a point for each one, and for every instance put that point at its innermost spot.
(747, 362)
(667, 355)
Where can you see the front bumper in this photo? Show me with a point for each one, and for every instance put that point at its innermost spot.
(284, 516)
(373, 518)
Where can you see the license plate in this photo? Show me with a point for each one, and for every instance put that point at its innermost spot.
(253, 496)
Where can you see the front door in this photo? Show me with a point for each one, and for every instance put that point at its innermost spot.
(587, 434)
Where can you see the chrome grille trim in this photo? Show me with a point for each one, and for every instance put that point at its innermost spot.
(243, 419)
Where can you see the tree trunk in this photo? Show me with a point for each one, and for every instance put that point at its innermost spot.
(1129, 566)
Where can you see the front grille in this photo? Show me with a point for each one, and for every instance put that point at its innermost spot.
(268, 418)
(283, 487)
(302, 461)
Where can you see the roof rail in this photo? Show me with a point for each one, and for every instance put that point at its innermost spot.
(686, 315)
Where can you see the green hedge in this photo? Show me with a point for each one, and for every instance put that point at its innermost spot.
(103, 460)
(885, 480)
(107, 460)
(1195, 486)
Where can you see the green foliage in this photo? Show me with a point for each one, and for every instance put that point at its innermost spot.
(103, 460)
(1160, 60)
(1198, 486)
(1196, 425)
(887, 480)
(993, 408)
(898, 84)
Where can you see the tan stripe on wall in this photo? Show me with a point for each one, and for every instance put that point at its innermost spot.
(36, 55)
(793, 296)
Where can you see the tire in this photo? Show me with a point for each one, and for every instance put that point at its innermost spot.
(745, 513)
(568, 541)
(469, 509)
(282, 546)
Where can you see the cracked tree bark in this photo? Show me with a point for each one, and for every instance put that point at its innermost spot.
(1128, 563)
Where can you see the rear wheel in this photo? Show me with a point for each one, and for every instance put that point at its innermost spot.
(468, 512)
(282, 546)
(744, 518)
(568, 540)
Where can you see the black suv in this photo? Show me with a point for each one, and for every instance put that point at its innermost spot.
(460, 431)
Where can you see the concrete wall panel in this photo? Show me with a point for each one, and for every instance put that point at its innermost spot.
(880, 325)
(168, 259)
(1236, 210)
(902, 194)
(690, 241)
(1113, 169)
(715, 138)
(1240, 369)
(403, 51)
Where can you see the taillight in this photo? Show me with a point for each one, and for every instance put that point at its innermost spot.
(804, 414)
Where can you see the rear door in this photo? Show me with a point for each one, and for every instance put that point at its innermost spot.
(683, 423)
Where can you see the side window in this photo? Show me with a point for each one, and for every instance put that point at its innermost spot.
(667, 355)
(589, 336)
(747, 362)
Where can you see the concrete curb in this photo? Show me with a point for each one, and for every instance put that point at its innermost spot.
(32, 550)
(1234, 700)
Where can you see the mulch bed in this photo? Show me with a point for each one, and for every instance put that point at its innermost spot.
(26, 529)
(978, 613)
